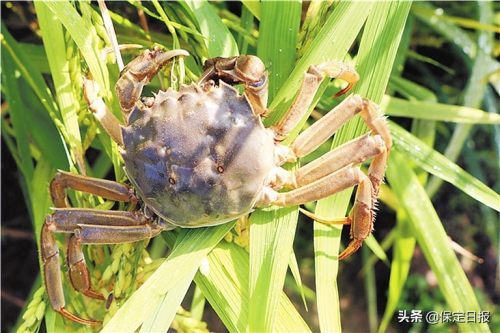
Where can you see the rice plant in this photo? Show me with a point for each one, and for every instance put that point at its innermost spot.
(444, 164)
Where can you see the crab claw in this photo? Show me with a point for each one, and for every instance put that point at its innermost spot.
(246, 69)
(139, 72)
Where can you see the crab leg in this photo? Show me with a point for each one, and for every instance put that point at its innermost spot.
(314, 177)
(89, 226)
(361, 215)
(78, 272)
(101, 187)
(107, 119)
(68, 219)
(312, 79)
(322, 188)
(351, 153)
(320, 131)
(53, 278)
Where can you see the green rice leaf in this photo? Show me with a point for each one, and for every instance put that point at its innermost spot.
(11, 90)
(30, 74)
(225, 287)
(427, 13)
(271, 240)
(253, 6)
(400, 266)
(394, 106)
(331, 43)
(197, 304)
(219, 41)
(85, 40)
(294, 269)
(438, 165)
(278, 31)
(433, 240)
(191, 247)
(36, 55)
(371, 292)
(376, 248)
(378, 48)
(160, 319)
(272, 233)
(41, 201)
(411, 90)
(55, 47)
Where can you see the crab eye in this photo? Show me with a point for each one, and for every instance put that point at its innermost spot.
(259, 83)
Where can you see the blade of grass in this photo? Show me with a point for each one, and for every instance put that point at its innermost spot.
(55, 47)
(32, 76)
(278, 31)
(272, 233)
(480, 63)
(394, 106)
(191, 247)
(294, 269)
(376, 248)
(254, 7)
(17, 115)
(44, 135)
(246, 24)
(37, 56)
(225, 287)
(400, 266)
(160, 319)
(438, 165)
(85, 40)
(428, 60)
(331, 43)
(379, 44)
(37, 98)
(271, 240)
(219, 41)
(41, 201)
(371, 293)
(433, 240)
(412, 90)
(198, 304)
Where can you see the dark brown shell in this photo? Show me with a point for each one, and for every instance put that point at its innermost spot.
(198, 158)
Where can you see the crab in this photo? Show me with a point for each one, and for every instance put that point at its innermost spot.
(201, 156)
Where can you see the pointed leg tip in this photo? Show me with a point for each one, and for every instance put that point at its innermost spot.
(94, 294)
(341, 220)
(349, 86)
(350, 249)
(66, 314)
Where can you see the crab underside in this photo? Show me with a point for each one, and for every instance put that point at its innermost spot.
(201, 156)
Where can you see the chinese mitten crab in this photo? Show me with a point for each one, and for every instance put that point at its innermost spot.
(201, 156)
